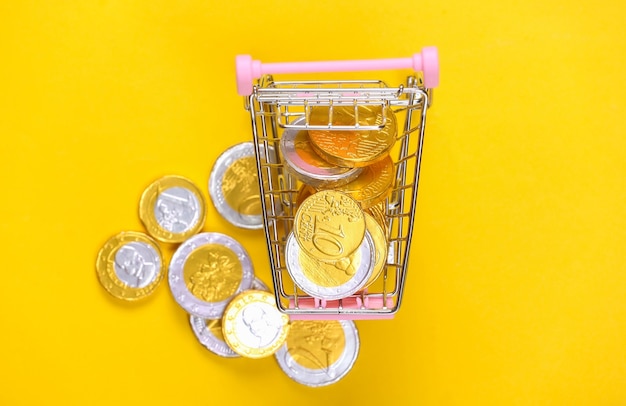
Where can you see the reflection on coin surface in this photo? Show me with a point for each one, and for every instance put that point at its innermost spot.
(206, 271)
(329, 225)
(252, 325)
(234, 185)
(209, 332)
(307, 165)
(381, 246)
(129, 265)
(373, 185)
(296, 263)
(353, 148)
(172, 209)
(317, 352)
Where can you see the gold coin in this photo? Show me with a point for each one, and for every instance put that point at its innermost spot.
(172, 209)
(129, 265)
(353, 148)
(304, 192)
(373, 185)
(380, 243)
(252, 325)
(331, 273)
(329, 225)
(316, 344)
(378, 212)
(212, 273)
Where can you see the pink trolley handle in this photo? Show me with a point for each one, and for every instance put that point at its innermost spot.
(248, 70)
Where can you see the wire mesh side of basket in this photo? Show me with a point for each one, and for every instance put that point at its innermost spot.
(275, 106)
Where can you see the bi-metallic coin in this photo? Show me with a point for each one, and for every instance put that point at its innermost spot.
(129, 265)
(172, 209)
(319, 353)
(209, 331)
(252, 325)
(329, 225)
(207, 271)
(234, 185)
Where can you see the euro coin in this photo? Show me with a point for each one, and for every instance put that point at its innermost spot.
(319, 352)
(373, 185)
(209, 332)
(329, 225)
(172, 209)
(234, 186)
(207, 271)
(353, 148)
(252, 325)
(319, 280)
(129, 265)
(305, 164)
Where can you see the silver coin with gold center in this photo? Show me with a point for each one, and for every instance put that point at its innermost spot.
(319, 352)
(206, 271)
(234, 185)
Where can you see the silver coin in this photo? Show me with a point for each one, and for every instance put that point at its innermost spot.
(235, 215)
(137, 264)
(326, 374)
(177, 209)
(258, 284)
(354, 284)
(257, 325)
(182, 295)
(216, 343)
(316, 176)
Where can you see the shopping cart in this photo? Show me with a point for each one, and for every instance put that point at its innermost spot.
(278, 105)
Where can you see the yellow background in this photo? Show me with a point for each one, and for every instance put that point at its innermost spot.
(517, 289)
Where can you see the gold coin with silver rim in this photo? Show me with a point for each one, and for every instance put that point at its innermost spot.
(172, 209)
(209, 331)
(317, 352)
(353, 148)
(252, 325)
(234, 185)
(129, 265)
(206, 271)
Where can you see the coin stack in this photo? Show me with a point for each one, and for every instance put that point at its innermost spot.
(231, 312)
(339, 241)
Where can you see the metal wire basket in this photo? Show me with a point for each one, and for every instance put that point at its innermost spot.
(278, 105)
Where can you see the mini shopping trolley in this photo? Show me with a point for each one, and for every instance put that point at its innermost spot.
(275, 106)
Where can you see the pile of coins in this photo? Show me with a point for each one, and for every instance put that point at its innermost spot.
(211, 276)
(339, 242)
